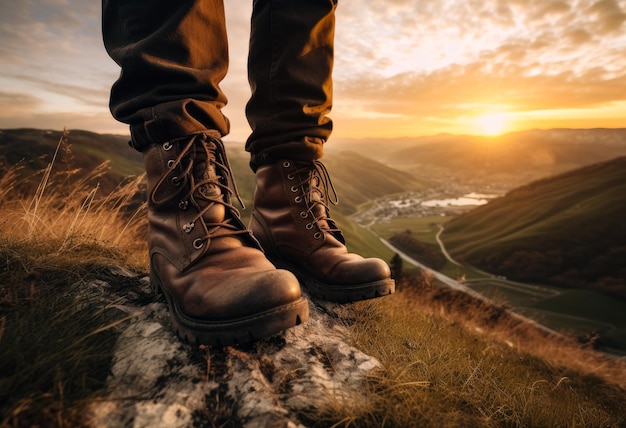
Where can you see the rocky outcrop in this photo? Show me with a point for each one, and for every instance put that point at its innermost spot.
(282, 381)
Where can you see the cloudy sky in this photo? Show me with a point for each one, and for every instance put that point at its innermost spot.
(403, 67)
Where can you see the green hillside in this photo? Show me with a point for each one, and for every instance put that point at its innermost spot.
(565, 230)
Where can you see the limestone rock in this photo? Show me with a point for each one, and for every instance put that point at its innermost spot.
(282, 381)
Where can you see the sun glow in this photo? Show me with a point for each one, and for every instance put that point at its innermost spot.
(492, 124)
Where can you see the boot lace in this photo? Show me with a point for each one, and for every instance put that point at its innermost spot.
(318, 193)
(188, 172)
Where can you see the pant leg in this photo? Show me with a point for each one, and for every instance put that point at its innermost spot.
(173, 55)
(290, 72)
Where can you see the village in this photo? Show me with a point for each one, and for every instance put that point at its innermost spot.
(438, 200)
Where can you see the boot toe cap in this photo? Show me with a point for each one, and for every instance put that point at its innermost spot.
(360, 271)
(244, 297)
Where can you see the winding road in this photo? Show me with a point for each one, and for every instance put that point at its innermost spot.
(456, 285)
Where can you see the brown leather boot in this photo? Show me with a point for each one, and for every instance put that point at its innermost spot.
(219, 286)
(291, 220)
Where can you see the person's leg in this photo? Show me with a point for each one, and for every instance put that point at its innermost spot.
(290, 72)
(289, 67)
(219, 286)
(173, 54)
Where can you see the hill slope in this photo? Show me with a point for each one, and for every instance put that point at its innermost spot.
(34, 148)
(566, 230)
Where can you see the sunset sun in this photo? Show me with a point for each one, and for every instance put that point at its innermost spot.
(492, 124)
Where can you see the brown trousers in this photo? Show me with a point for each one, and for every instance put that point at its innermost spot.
(174, 54)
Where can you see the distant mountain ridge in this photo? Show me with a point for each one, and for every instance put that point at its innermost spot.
(506, 161)
(566, 230)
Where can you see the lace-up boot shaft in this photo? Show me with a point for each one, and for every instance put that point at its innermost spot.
(291, 219)
(219, 286)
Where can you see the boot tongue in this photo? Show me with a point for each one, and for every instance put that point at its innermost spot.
(316, 197)
(204, 172)
(312, 187)
(315, 193)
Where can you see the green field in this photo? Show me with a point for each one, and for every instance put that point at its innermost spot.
(424, 228)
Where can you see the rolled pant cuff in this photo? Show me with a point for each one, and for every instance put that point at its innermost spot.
(305, 149)
(170, 121)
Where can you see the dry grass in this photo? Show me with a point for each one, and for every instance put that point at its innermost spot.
(66, 211)
(55, 347)
(452, 362)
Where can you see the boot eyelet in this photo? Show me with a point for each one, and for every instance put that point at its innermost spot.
(167, 146)
(286, 164)
(298, 199)
(170, 163)
(304, 214)
(198, 243)
(290, 177)
(309, 226)
(294, 189)
(175, 181)
(187, 228)
(318, 235)
(183, 205)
